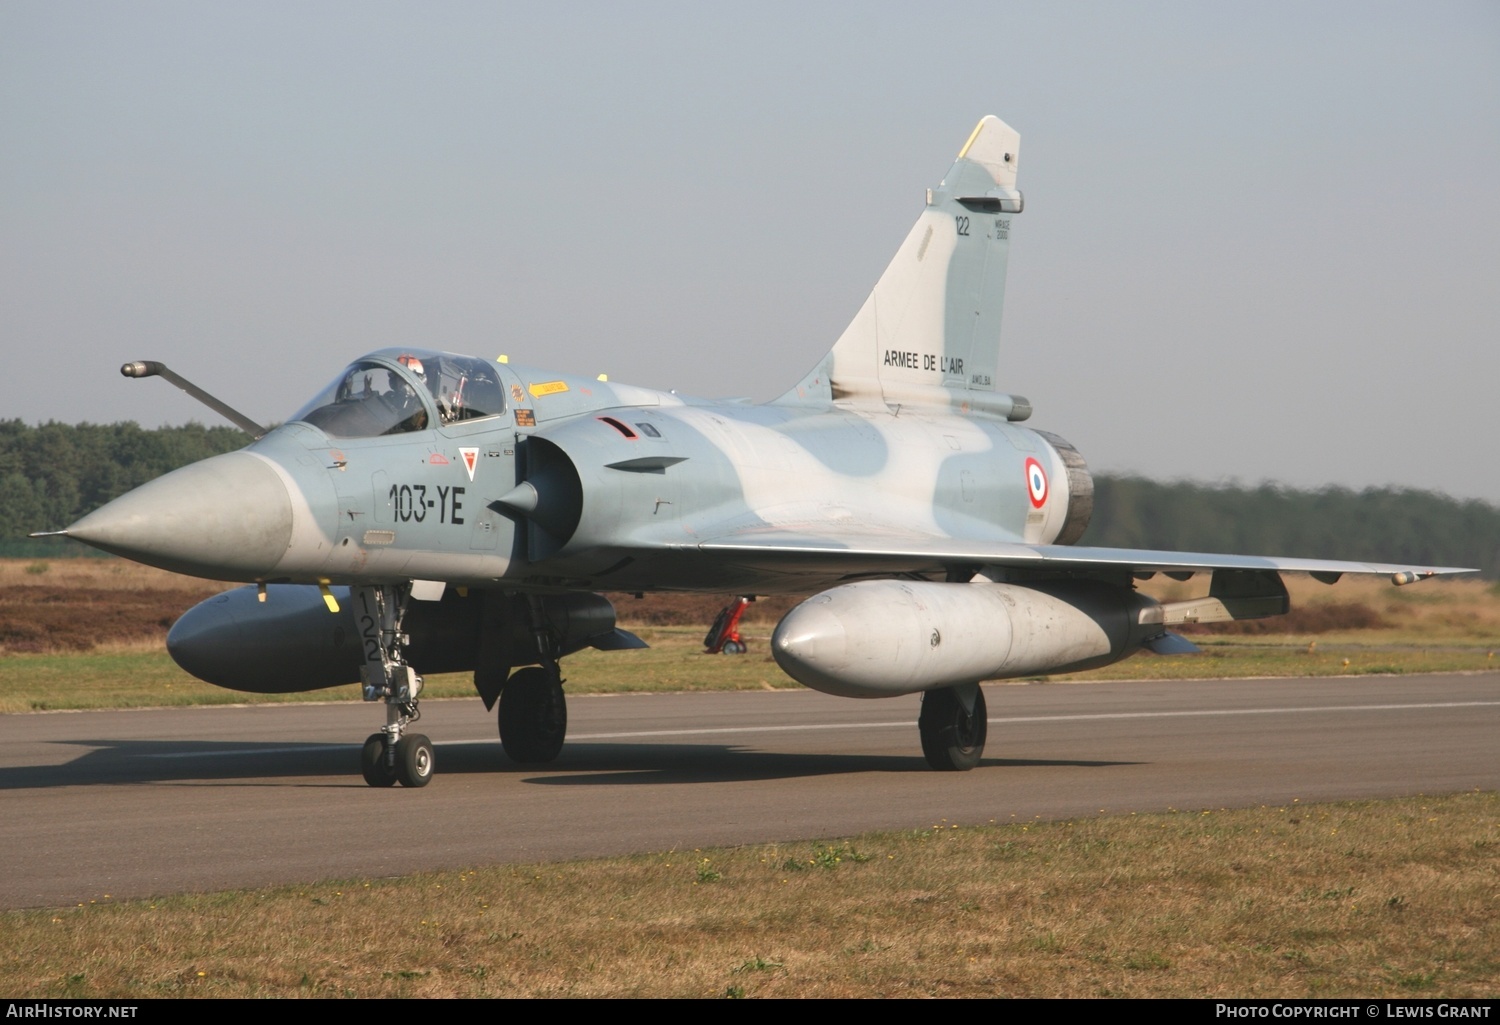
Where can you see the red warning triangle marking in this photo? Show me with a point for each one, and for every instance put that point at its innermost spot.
(470, 456)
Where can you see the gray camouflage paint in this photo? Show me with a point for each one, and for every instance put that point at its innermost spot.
(895, 455)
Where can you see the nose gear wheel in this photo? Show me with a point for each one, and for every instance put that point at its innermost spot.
(372, 762)
(414, 760)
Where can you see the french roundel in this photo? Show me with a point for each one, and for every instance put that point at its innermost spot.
(1036, 483)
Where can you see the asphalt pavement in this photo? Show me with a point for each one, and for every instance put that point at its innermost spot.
(143, 803)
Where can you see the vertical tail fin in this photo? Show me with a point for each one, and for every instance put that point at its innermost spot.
(929, 334)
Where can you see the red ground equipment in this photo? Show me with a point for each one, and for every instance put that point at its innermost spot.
(724, 635)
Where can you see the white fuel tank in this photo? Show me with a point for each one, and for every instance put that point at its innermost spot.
(881, 638)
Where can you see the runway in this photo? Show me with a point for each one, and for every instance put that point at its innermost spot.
(142, 803)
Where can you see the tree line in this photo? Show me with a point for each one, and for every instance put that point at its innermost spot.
(52, 474)
(1372, 525)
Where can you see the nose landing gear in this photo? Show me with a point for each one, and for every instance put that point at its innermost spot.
(409, 761)
(392, 755)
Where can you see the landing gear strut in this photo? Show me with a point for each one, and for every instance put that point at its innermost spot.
(953, 727)
(392, 755)
(533, 708)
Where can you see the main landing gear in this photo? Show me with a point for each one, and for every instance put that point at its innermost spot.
(392, 755)
(953, 725)
(533, 715)
(533, 708)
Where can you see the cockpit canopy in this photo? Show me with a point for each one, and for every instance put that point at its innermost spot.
(399, 390)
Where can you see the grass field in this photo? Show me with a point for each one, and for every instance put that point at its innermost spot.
(89, 633)
(1380, 899)
(143, 676)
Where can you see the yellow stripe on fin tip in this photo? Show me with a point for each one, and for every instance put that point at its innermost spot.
(328, 598)
(972, 136)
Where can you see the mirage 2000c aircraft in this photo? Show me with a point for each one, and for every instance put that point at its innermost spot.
(433, 512)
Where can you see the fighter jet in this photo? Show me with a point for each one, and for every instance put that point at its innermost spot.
(433, 512)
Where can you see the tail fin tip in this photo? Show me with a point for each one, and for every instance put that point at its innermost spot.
(928, 335)
(995, 146)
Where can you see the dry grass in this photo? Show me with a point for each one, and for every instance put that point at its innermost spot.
(92, 636)
(1381, 899)
(1446, 609)
(143, 676)
(101, 573)
(88, 604)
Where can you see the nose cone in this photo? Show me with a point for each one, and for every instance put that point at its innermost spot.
(227, 518)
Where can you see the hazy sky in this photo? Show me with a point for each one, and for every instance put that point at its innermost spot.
(1261, 240)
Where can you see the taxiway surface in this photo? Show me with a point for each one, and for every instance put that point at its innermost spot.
(141, 803)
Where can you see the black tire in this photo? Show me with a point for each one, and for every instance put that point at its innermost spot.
(533, 716)
(372, 762)
(734, 647)
(414, 760)
(952, 739)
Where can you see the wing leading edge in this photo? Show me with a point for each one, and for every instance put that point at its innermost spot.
(906, 552)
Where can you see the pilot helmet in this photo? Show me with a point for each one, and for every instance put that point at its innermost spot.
(414, 365)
